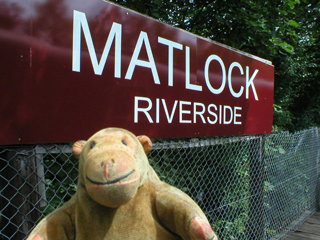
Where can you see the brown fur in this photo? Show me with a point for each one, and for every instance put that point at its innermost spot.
(119, 196)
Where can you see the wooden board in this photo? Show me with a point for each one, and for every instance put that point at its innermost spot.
(310, 230)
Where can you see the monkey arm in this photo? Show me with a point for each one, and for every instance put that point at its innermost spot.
(56, 226)
(181, 215)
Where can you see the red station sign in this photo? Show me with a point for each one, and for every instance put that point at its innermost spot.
(70, 68)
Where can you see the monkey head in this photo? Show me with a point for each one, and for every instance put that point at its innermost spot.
(112, 165)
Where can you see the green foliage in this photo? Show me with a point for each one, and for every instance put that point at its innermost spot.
(60, 178)
(288, 168)
(216, 177)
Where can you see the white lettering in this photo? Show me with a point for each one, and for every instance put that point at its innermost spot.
(144, 110)
(222, 114)
(199, 113)
(234, 64)
(181, 103)
(206, 74)
(169, 117)
(188, 84)
(170, 45)
(212, 114)
(80, 21)
(249, 82)
(157, 110)
(143, 39)
(237, 115)
(225, 121)
(80, 24)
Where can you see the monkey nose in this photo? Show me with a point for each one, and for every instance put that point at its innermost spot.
(106, 167)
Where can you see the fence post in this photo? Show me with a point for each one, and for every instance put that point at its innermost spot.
(317, 140)
(21, 195)
(256, 202)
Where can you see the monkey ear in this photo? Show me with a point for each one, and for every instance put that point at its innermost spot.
(77, 148)
(145, 142)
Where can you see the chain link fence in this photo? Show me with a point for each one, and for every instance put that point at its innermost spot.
(255, 187)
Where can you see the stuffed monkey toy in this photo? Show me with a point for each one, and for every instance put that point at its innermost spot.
(119, 196)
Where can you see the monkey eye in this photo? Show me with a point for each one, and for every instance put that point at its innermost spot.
(124, 142)
(92, 145)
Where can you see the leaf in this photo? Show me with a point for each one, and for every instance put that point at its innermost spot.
(292, 3)
(293, 23)
(287, 47)
(281, 150)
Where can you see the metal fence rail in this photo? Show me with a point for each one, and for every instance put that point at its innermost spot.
(257, 187)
